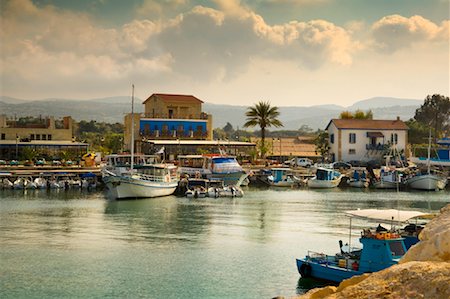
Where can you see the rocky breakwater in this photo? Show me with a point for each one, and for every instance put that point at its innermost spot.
(423, 272)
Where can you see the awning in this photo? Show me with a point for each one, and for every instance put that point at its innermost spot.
(375, 134)
(389, 215)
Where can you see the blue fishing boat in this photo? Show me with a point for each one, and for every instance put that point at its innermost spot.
(380, 250)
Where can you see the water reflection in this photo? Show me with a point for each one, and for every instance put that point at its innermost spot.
(158, 219)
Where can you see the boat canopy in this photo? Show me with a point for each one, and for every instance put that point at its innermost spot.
(389, 214)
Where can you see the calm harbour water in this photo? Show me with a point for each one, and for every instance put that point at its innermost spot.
(77, 244)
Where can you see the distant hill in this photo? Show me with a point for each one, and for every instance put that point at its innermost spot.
(382, 102)
(113, 109)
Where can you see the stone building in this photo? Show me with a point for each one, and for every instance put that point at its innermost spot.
(44, 135)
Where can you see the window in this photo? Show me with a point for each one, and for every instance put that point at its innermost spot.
(49, 137)
(32, 137)
(170, 113)
(352, 138)
(394, 138)
(331, 138)
(3, 136)
(44, 137)
(396, 248)
(38, 137)
(351, 151)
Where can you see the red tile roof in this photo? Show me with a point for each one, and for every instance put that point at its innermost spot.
(179, 98)
(369, 124)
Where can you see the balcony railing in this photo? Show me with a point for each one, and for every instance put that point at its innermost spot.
(375, 147)
(174, 135)
(202, 116)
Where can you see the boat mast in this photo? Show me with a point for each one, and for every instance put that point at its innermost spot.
(429, 154)
(132, 127)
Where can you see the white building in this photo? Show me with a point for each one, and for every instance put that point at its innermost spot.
(365, 139)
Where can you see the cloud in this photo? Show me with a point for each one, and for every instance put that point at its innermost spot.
(49, 46)
(395, 32)
(155, 9)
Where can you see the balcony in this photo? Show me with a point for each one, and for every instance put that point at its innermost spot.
(173, 135)
(375, 147)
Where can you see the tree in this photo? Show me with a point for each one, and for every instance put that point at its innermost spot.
(321, 142)
(418, 132)
(358, 114)
(264, 116)
(346, 115)
(435, 113)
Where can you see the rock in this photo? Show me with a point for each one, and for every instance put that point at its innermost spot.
(434, 242)
(408, 280)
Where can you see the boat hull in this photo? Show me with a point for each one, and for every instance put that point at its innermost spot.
(323, 184)
(358, 183)
(427, 182)
(125, 187)
(229, 179)
(385, 185)
(324, 271)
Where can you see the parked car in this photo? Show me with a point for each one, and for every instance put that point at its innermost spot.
(303, 162)
(341, 165)
(14, 162)
(56, 163)
(358, 163)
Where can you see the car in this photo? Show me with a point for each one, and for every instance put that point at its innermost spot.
(56, 163)
(302, 162)
(14, 162)
(341, 165)
(358, 163)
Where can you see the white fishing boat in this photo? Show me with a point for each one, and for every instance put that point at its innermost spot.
(325, 178)
(429, 181)
(145, 180)
(215, 167)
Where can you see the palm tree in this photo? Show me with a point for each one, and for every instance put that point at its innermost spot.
(264, 116)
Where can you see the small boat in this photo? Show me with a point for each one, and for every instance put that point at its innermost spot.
(359, 181)
(54, 184)
(217, 189)
(40, 182)
(389, 178)
(325, 178)
(197, 188)
(20, 183)
(380, 250)
(282, 177)
(213, 167)
(7, 184)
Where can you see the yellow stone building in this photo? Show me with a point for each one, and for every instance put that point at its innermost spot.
(169, 117)
(40, 134)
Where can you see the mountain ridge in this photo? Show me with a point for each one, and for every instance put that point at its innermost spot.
(113, 109)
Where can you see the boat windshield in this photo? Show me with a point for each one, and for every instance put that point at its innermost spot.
(396, 248)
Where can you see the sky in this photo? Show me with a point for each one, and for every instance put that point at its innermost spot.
(287, 52)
